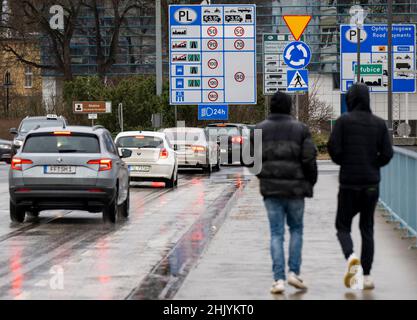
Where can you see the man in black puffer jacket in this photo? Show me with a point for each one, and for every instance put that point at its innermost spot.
(361, 145)
(288, 174)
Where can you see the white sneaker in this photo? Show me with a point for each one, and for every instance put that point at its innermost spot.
(296, 281)
(368, 283)
(278, 287)
(354, 264)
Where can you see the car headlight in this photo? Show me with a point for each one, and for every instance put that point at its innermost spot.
(5, 146)
(18, 143)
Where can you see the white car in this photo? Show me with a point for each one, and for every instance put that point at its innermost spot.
(194, 148)
(153, 158)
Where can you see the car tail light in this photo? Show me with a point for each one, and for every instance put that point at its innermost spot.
(95, 190)
(17, 163)
(23, 190)
(163, 154)
(198, 148)
(62, 133)
(237, 140)
(104, 164)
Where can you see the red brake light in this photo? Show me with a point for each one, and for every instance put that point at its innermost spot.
(198, 148)
(163, 154)
(140, 137)
(104, 164)
(17, 163)
(62, 133)
(237, 139)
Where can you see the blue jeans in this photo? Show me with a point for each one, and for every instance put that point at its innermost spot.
(293, 210)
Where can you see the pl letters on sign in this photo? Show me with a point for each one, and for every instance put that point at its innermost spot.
(57, 20)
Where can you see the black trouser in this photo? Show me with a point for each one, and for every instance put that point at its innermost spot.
(351, 201)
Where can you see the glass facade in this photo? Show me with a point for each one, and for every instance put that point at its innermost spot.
(136, 53)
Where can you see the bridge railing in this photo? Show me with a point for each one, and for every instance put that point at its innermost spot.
(398, 189)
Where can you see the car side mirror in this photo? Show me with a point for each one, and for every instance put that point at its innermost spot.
(13, 131)
(125, 153)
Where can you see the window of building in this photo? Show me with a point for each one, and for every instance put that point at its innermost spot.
(28, 77)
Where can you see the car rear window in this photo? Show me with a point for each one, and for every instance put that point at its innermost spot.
(189, 136)
(30, 124)
(62, 144)
(224, 131)
(140, 142)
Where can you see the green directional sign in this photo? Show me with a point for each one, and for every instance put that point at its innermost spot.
(370, 69)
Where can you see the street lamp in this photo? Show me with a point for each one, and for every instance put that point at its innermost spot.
(7, 83)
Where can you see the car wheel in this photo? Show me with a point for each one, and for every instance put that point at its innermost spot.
(8, 161)
(217, 166)
(170, 183)
(176, 179)
(208, 169)
(126, 206)
(17, 214)
(110, 211)
(34, 213)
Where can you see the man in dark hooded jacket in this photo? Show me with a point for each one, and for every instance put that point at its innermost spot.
(361, 145)
(288, 174)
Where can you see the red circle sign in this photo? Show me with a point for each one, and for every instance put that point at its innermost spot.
(239, 32)
(212, 31)
(213, 83)
(239, 76)
(212, 63)
(213, 96)
(239, 44)
(212, 44)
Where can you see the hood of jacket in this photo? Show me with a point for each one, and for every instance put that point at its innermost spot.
(357, 98)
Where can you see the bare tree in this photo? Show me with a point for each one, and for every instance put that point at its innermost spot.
(313, 111)
(118, 11)
(28, 26)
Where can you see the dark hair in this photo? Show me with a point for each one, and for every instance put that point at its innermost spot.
(281, 103)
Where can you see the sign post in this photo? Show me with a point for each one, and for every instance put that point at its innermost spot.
(91, 108)
(297, 56)
(374, 57)
(212, 54)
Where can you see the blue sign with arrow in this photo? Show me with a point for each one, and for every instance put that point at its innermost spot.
(213, 112)
(297, 55)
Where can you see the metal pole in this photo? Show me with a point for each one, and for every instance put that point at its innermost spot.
(266, 106)
(390, 128)
(358, 55)
(158, 42)
(7, 100)
(176, 115)
(406, 108)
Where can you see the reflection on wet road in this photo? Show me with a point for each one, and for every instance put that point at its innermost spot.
(73, 255)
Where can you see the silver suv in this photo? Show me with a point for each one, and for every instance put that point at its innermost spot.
(75, 168)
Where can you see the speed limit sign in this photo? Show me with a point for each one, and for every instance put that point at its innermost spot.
(212, 44)
(239, 76)
(213, 96)
(239, 44)
(212, 63)
(212, 31)
(239, 32)
(213, 83)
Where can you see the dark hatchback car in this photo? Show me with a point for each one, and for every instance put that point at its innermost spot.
(30, 123)
(231, 137)
(5, 150)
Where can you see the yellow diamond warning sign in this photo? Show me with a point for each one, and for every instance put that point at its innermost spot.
(297, 24)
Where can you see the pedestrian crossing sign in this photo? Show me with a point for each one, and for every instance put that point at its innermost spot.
(297, 80)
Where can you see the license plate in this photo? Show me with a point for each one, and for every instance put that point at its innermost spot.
(59, 170)
(140, 168)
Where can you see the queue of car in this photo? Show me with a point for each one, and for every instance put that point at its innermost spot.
(57, 166)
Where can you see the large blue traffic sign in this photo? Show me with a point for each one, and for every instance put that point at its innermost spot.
(297, 55)
(374, 51)
(213, 112)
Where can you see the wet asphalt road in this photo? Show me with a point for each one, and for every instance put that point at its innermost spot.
(73, 255)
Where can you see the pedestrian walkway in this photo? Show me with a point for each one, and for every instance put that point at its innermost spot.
(237, 264)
